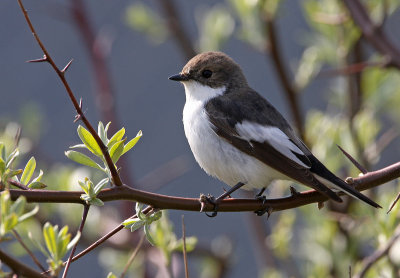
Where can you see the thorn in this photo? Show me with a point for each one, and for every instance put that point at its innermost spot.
(394, 203)
(293, 191)
(321, 205)
(77, 118)
(349, 180)
(67, 66)
(40, 60)
(80, 103)
(352, 159)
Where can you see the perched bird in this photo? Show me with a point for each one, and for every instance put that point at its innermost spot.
(237, 136)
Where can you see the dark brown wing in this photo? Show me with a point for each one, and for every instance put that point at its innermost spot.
(225, 113)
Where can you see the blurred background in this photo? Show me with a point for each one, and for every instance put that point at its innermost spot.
(307, 58)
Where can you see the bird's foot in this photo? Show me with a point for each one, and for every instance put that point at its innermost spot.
(267, 210)
(215, 201)
(209, 199)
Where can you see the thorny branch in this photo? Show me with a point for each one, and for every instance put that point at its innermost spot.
(61, 74)
(366, 181)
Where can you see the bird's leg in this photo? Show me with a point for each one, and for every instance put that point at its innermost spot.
(261, 197)
(211, 199)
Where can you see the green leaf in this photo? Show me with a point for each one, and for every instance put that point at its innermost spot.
(18, 206)
(84, 186)
(132, 142)
(2, 151)
(9, 223)
(190, 244)
(82, 159)
(38, 178)
(28, 171)
(49, 235)
(74, 240)
(100, 185)
(28, 214)
(89, 141)
(116, 137)
(111, 275)
(11, 157)
(37, 185)
(133, 224)
(102, 134)
(78, 146)
(96, 202)
(2, 166)
(116, 150)
(148, 235)
(11, 173)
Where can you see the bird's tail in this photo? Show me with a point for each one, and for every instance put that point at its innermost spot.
(335, 182)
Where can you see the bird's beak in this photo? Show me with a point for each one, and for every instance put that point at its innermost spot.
(179, 77)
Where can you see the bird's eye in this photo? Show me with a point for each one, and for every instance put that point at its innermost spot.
(206, 73)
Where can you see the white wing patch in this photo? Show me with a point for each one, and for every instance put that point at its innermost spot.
(273, 135)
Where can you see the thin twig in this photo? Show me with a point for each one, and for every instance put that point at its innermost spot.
(185, 262)
(369, 261)
(35, 260)
(115, 176)
(20, 185)
(132, 257)
(83, 221)
(175, 26)
(352, 69)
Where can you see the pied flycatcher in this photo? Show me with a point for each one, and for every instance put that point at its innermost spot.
(238, 137)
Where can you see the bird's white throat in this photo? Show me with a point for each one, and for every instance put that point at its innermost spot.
(196, 91)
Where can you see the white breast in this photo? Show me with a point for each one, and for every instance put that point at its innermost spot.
(217, 157)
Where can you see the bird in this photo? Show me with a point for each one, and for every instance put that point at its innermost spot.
(240, 138)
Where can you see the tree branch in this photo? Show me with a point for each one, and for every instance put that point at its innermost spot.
(18, 267)
(366, 181)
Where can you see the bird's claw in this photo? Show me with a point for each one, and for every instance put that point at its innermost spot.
(267, 210)
(209, 199)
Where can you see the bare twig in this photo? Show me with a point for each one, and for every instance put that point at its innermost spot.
(18, 267)
(83, 221)
(47, 58)
(132, 257)
(352, 69)
(373, 33)
(369, 261)
(289, 90)
(20, 185)
(175, 26)
(185, 262)
(35, 260)
(366, 181)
